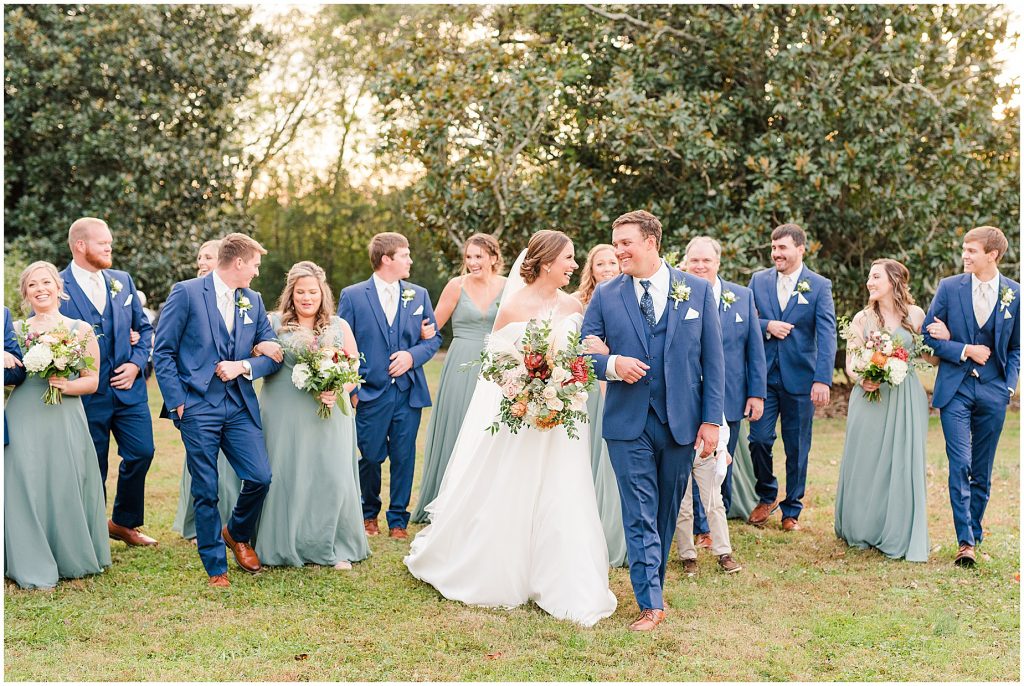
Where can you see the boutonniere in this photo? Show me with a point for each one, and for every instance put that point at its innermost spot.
(115, 287)
(243, 304)
(679, 292)
(1006, 298)
(407, 295)
(728, 298)
(803, 287)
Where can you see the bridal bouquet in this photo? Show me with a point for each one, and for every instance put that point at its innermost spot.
(882, 357)
(323, 367)
(57, 352)
(544, 379)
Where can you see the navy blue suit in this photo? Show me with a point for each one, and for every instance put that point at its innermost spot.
(125, 413)
(650, 426)
(743, 345)
(972, 398)
(804, 357)
(15, 375)
(388, 412)
(191, 339)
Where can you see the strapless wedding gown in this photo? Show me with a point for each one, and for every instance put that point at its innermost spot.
(516, 517)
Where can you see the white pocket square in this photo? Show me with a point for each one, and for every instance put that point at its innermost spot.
(419, 311)
(1006, 313)
(801, 299)
(128, 300)
(738, 318)
(246, 319)
(692, 314)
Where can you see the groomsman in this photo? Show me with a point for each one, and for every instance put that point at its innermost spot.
(974, 327)
(798, 321)
(107, 299)
(386, 314)
(745, 386)
(14, 371)
(205, 367)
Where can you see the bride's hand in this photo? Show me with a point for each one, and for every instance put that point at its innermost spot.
(593, 344)
(427, 330)
(328, 398)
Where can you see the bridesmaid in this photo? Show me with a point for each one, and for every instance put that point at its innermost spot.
(471, 302)
(228, 483)
(313, 513)
(602, 265)
(55, 519)
(880, 500)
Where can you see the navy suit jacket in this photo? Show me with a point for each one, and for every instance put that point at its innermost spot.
(126, 313)
(953, 304)
(191, 339)
(15, 375)
(808, 354)
(360, 306)
(744, 349)
(694, 365)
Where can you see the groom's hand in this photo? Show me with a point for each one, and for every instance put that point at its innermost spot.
(229, 369)
(401, 362)
(630, 369)
(707, 439)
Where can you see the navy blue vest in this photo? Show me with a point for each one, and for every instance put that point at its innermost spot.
(394, 345)
(105, 339)
(986, 336)
(217, 389)
(656, 361)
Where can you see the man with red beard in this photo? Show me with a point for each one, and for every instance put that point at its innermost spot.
(107, 300)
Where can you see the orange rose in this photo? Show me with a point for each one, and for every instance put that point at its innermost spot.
(879, 359)
(518, 409)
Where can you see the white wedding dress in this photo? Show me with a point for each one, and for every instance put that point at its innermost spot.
(516, 517)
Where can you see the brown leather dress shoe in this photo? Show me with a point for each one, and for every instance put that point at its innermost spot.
(703, 541)
(965, 556)
(371, 527)
(729, 565)
(690, 567)
(245, 556)
(219, 581)
(130, 536)
(790, 524)
(400, 534)
(647, 620)
(761, 513)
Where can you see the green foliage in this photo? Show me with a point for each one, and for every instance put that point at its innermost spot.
(871, 126)
(14, 264)
(126, 112)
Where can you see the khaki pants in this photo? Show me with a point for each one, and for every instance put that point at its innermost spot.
(710, 485)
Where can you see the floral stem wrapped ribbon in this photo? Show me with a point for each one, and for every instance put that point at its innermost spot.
(544, 380)
(57, 352)
(321, 367)
(882, 357)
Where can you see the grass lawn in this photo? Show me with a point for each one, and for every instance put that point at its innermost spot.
(804, 608)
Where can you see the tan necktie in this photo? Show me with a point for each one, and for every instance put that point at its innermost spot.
(390, 303)
(227, 311)
(99, 295)
(785, 290)
(982, 303)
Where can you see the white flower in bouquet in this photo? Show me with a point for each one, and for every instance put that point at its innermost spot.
(555, 404)
(327, 368)
(300, 375)
(549, 393)
(897, 370)
(60, 362)
(560, 375)
(47, 339)
(578, 401)
(38, 357)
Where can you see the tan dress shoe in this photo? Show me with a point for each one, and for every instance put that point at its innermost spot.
(729, 565)
(965, 556)
(245, 556)
(690, 567)
(790, 524)
(647, 620)
(703, 541)
(399, 534)
(371, 527)
(761, 513)
(219, 581)
(132, 537)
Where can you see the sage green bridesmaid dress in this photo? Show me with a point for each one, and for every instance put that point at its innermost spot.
(744, 498)
(228, 488)
(313, 513)
(55, 517)
(609, 507)
(469, 327)
(881, 496)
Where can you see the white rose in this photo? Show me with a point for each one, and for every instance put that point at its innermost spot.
(897, 370)
(560, 375)
(578, 401)
(60, 362)
(47, 339)
(549, 393)
(38, 358)
(300, 375)
(555, 404)
(326, 369)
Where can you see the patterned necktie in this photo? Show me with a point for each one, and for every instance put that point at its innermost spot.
(982, 304)
(647, 304)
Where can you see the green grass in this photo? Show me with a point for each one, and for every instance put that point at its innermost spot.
(805, 608)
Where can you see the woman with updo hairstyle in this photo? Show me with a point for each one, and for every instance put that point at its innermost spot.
(313, 512)
(471, 302)
(881, 497)
(55, 518)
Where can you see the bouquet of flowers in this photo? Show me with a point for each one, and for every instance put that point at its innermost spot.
(883, 358)
(57, 352)
(323, 367)
(544, 379)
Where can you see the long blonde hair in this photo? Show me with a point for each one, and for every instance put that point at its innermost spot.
(587, 281)
(286, 303)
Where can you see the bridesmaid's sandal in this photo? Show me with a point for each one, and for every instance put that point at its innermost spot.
(344, 565)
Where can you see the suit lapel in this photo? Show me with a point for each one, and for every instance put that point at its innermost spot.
(239, 352)
(1001, 328)
(217, 328)
(773, 292)
(674, 277)
(967, 304)
(377, 308)
(400, 320)
(628, 293)
(116, 312)
(78, 296)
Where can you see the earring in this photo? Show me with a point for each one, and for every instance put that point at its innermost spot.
(547, 269)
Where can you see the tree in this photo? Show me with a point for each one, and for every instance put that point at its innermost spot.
(127, 113)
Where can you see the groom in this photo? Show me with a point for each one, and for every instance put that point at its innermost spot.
(386, 314)
(666, 399)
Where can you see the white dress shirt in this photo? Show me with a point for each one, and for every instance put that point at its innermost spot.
(660, 282)
(93, 285)
(716, 288)
(388, 295)
(225, 301)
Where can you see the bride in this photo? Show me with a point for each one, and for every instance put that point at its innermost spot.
(516, 517)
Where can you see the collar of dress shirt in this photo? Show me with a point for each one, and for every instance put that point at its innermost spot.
(659, 282)
(793, 277)
(717, 289)
(383, 286)
(221, 287)
(993, 283)
(84, 276)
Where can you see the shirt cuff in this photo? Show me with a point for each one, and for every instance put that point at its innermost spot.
(963, 354)
(248, 370)
(609, 369)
